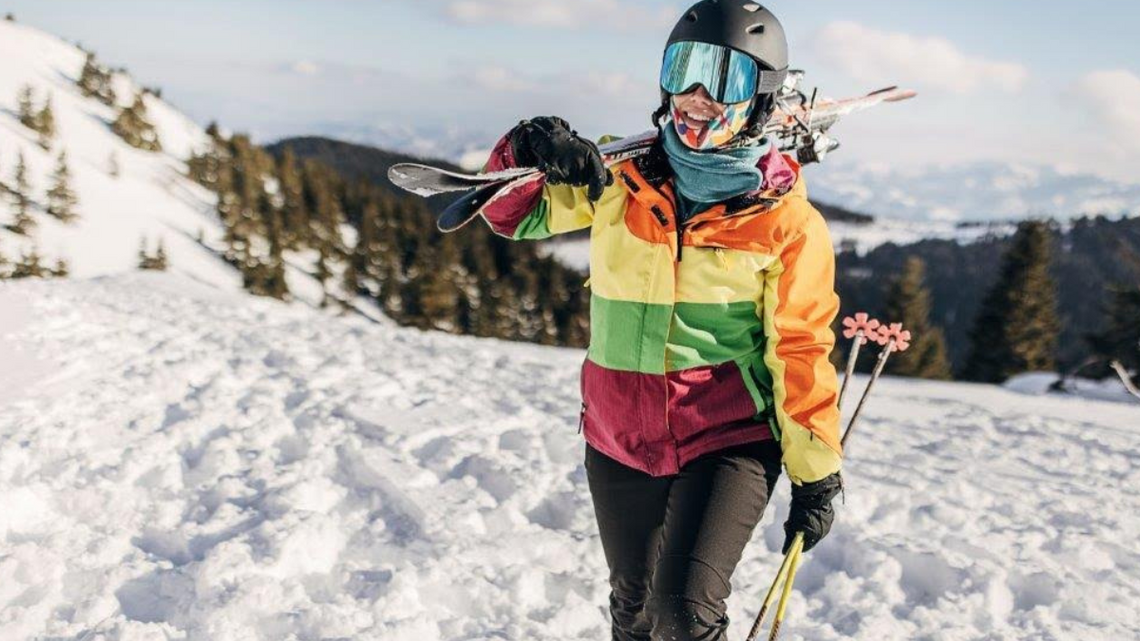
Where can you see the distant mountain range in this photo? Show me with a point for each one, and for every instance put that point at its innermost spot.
(974, 192)
(467, 147)
(359, 162)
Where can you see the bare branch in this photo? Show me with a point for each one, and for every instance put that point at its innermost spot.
(1125, 378)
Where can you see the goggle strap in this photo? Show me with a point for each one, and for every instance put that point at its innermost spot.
(771, 81)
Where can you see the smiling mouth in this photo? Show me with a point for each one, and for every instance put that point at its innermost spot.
(697, 121)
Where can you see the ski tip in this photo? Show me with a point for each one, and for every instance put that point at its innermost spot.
(399, 170)
(902, 94)
(399, 175)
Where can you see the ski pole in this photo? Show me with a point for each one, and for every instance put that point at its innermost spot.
(896, 339)
(858, 327)
(781, 576)
(781, 609)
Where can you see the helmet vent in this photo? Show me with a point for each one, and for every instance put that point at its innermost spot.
(753, 7)
(756, 29)
(692, 17)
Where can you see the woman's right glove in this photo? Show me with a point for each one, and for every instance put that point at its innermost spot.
(811, 511)
(549, 144)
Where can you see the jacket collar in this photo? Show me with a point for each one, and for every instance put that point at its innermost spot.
(781, 178)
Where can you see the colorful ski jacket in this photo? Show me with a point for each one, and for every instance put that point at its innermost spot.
(703, 336)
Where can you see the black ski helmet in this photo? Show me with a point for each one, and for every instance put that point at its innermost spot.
(743, 25)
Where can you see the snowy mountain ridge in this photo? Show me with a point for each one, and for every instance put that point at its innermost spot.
(150, 199)
(977, 192)
(182, 462)
(126, 196)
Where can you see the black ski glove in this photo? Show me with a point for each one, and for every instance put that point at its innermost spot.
(549, 144)
(811, 512)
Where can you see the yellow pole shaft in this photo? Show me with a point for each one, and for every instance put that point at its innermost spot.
(782, 608)
(772, 591)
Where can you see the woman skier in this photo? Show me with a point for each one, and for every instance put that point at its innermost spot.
(711, 303)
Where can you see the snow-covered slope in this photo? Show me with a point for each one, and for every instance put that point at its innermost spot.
(182, 463)
(151, 198)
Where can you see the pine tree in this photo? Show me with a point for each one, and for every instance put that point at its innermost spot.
(323, 271)
(292, 189)
(1120, 338)
(213, 168)
(363, 263)
(325, 218)
(26, 108)
(61, 198)
(10, 17)
(908, 302)
(22, 221)
(30, 265)
(61, 269)
(271, 271)
(1016, 328)
(45, 124)
(135, 129)
(160, 260)
(439, 297)
(155, 262)
(95, 81)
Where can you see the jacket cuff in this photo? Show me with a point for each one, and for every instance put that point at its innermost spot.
(502, 156)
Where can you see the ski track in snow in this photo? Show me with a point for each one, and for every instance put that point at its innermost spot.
(206, 466)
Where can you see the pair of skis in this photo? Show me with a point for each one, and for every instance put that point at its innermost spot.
(861, 329)
(799, 125)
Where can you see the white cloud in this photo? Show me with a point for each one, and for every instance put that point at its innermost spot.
(588, 86)
(870, 55)
(306, 68)
(1113, 98)
(501, 79)
(596, 102)
(613, 14)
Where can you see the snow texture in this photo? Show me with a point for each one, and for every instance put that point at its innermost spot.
(178, 461)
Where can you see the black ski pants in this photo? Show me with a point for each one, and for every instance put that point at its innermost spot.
(672, 542)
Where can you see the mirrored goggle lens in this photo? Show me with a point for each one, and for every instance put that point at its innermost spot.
(728, 75)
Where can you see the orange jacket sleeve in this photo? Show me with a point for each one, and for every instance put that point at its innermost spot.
(799, 306)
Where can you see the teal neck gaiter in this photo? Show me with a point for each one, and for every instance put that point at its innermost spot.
(714, 176)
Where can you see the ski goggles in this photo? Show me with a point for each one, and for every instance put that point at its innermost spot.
(727, 74)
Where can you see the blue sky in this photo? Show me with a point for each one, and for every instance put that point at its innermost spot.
(1006, 80)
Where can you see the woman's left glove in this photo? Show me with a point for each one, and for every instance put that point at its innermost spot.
(811, 512)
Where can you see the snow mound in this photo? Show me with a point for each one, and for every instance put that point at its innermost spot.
(183, 463)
